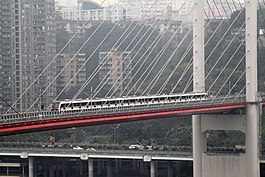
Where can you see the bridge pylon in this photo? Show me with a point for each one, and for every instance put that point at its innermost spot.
(223, 165)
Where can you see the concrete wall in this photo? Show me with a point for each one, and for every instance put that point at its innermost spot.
(224, 165)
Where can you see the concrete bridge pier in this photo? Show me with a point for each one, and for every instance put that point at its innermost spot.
(117, 166)
(252, 110)
(219, 164)
(90, 168)
(109, 168)
(152, 168)
(99, 166)
(143, 170)
(169, 169)
(31, 167)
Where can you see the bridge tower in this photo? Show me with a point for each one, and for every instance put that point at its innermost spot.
(218, 165)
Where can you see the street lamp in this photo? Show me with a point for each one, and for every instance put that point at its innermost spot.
(116, 133)
(74, 129)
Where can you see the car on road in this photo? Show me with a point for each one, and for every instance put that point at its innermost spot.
(77, 148)
(91, 149)
(136, 146)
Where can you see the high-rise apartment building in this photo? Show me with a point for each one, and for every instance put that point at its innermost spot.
(86, 10)
(71, 70)
(27, 46)
(115, 71)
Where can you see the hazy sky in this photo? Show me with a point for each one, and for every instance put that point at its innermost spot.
(74, 2)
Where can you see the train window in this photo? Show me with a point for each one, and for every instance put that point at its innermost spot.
(96, 103)
(127, 102)
(112, 102)
(132, 101)
(173, 98)
(66, 105)
(156, 100)
(141, 101)
(162, 99)
(148, 100)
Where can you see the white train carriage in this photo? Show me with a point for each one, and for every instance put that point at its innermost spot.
(129, 101)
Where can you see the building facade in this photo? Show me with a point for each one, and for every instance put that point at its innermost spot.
(86, 10)
(27, 46)
(115, 71)
(71, 71)
(122, 10)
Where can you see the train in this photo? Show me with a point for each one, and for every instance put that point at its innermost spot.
(69, 105)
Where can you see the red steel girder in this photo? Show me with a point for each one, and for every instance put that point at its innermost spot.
(78, 121)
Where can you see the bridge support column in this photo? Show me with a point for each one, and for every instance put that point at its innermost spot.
(90, 168)
(198, 82)
(80, 167)
(23, 171)
(252, 141)
(31, 167)
(218, 164)
(117, 165)
(252, 130)
(169, 169)
(109, 168)
(64, 169)
(153, 168)
(197, 146)
(99, 166)
(142, 168)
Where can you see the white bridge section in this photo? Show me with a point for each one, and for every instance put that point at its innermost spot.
(223, 165)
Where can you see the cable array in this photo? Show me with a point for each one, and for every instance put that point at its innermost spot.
(145, 72)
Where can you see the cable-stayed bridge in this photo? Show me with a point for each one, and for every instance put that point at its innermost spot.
(208, 57)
